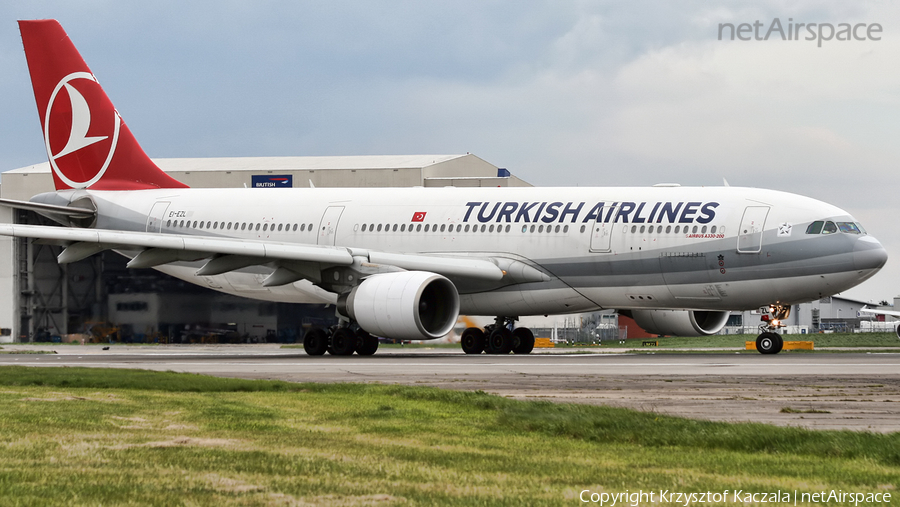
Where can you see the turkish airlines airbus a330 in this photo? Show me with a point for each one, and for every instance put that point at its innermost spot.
(404, 262)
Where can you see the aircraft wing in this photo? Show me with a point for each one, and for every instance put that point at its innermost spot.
(232, 253)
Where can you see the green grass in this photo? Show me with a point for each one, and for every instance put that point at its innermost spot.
(92, 436)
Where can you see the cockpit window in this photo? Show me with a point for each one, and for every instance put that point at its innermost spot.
(829, 227)
(815, 227)
(848, 227)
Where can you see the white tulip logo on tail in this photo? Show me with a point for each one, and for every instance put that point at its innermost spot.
(87, 167)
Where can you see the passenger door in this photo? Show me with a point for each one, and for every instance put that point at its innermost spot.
(601, 235)
(751, 230)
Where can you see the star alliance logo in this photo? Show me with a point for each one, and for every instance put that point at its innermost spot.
(784, 229)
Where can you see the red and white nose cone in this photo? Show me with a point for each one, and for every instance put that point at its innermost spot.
(81, 130)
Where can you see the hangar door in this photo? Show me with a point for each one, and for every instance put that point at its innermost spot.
(751, 231)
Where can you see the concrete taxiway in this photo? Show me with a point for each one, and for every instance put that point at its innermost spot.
(857, 391)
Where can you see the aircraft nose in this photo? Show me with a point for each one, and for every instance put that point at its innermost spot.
(869, 254)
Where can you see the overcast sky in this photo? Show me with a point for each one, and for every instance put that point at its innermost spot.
(560, 93)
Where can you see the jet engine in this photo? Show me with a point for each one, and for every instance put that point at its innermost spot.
(681, 322)
(410, 305)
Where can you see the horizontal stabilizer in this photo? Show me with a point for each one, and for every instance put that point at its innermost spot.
(69, 211)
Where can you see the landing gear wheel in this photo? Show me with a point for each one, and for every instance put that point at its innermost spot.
(367, 344)
(315, 342)
(769, 343)
(343, 342)
(472, 341)
(523, 340)
(500, 341)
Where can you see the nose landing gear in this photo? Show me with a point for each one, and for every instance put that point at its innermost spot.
(769, 341)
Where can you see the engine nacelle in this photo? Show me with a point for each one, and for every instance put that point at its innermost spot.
(411, 305)
(681, 322)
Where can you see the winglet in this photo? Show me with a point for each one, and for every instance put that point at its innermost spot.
(87, 142)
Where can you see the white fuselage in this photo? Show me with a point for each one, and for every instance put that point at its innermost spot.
(723, 248)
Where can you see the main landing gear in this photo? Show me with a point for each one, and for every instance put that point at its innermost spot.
(769, 341)
(496, 338)
(339, 341)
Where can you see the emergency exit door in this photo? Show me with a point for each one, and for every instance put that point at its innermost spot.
(328, 226)
(157, 216)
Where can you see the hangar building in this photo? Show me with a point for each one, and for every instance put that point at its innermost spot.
(40, 299)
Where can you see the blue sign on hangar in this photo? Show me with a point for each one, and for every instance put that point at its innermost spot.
(272, 181)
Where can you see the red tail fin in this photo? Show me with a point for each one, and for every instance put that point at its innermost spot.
(88, 144)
